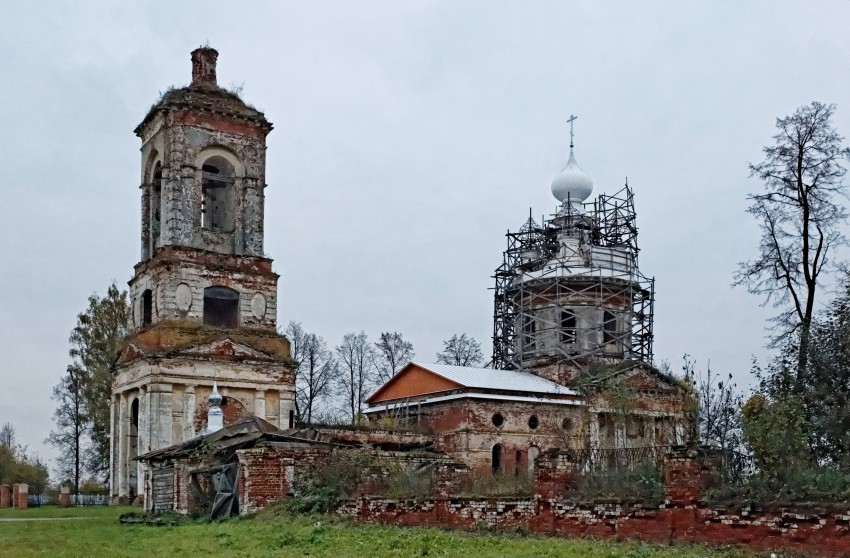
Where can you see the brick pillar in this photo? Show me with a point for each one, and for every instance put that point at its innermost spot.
(5, 496)
(65, 496)
(687, 473)
(20, 495)
(555, 476)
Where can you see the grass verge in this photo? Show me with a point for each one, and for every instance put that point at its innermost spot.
(275, 532)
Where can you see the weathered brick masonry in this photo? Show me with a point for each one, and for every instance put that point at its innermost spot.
(825, 533)
(681, 517)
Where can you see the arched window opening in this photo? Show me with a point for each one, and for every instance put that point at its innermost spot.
(217, 189)
(147, 308)
(529, 329)
(497, 459)
(156, 207)
(221, 307)
(609, 327)
(568, 326)
(533, 422)
(518, 462)
(133, 445)
(134, 417)
(533, 454)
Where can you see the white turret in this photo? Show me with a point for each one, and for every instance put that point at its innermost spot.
(215, 417)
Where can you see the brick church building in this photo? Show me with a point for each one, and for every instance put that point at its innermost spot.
(572, 332)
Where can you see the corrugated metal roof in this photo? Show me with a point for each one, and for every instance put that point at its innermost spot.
(492, 378)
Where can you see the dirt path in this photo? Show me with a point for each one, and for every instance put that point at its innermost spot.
(17, 519)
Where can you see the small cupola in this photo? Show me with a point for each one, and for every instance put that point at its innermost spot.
(572, 184)
(203, 66)
(215, 416)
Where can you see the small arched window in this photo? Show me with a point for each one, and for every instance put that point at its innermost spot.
(568, 326)
(221, 307)
(134, 416)
(497, 458)
(609, 326)
(533, 454)
(147, 308)
(217, 189)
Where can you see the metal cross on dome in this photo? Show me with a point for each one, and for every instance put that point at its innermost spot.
(571, 119)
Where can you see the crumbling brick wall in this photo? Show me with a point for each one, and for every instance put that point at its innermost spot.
(682, 517)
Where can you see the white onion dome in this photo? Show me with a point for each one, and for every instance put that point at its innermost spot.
(215, 396)
(215, 416)
(572, 183)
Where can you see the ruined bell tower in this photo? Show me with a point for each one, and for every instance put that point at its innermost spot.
(204, 295)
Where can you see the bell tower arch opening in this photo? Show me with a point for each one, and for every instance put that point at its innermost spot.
(147, 308)
(221, 307)
(218, 194)
(156, 206)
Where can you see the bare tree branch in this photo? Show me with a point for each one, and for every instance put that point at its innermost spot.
(800, 214)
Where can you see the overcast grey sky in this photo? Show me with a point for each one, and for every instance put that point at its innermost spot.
(408, 137)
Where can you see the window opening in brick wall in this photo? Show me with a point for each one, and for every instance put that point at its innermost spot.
(517, 463)
(133, 445)
(291, 419)
(533, 453)
(155, 207)
(221, 307)
(533, 422)
(497, 458)
(147, 308)
(609, 326)
(529, 328)
(568, 326)
(498, 420)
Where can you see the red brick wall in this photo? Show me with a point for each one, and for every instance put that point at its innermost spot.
(266, 474)
(681, 517)
(825, 534)
(5, 496)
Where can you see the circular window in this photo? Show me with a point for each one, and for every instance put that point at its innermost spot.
(567, 425)
(498, 420)
(533, 422)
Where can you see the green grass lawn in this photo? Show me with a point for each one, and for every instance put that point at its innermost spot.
(96, 532)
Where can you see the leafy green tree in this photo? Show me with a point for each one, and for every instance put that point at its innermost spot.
(775, 426)
(17, 466)
(826, 390)
(800, 216)
(95, 341)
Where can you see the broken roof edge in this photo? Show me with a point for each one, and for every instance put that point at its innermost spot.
(253, 429)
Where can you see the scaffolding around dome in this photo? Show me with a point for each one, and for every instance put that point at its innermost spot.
(569, 291)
